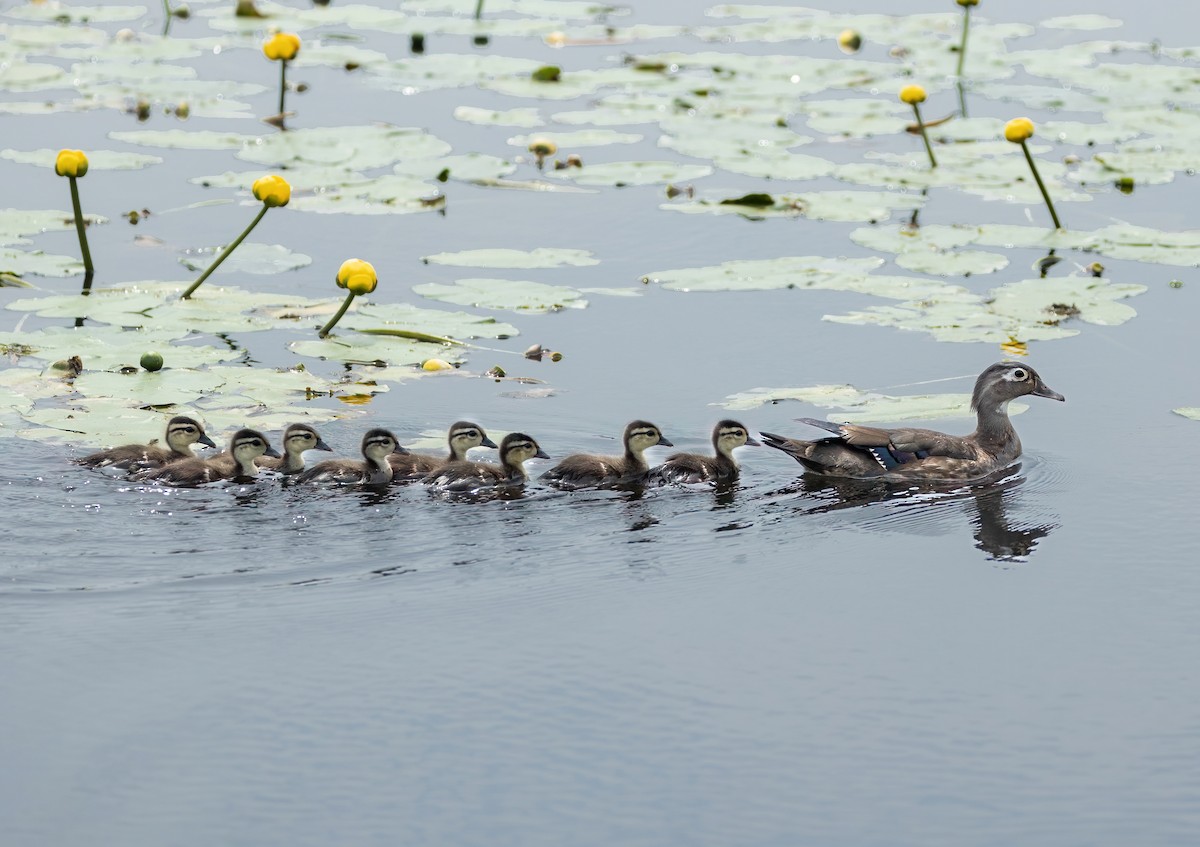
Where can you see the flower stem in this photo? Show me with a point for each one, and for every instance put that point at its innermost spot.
(166, 17)
(478, 9)
(88, 267)
(225, 253)
(282, 83)
(324, 333)
(924, 135)
(1041, 186)
(962, 45)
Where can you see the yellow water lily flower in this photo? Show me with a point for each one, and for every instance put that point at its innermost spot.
(273, 190)
(357, 276)
(71, 163)
(1018, 130)
(912, 94)
(281, 47)
(849, 41)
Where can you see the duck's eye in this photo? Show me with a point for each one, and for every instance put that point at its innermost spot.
(190, 430)
(1020, 374)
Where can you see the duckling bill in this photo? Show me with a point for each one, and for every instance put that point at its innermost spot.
(909, 453)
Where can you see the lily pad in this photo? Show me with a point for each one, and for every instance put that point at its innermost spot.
(503, 257)
(856, 405)
(621, 174)
(250, 257)
(98, 160)
(513, 295)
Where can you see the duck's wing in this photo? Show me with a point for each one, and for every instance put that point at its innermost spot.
(919, 442)
(831, 456)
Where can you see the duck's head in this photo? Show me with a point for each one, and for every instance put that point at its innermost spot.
(730, 434)
(248, 444)
(378, 443)
(642, 434)
(517, 447)
(464, 435)
(183, 432)
(1006, 381)
(299, 437)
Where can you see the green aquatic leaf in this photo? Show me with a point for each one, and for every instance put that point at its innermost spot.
(848, 206)
(37, 263)
(16, 224)
(184, 139)
(1081, 22)
(770, 274)
(621, 174)
(104, 348)
(167, 387)
(98, 160)
(569, 140)
(856, 405)
(524, 117)
(513, 295)
(70, 13)
(1192, 412)
(250, 257)
(503, 257)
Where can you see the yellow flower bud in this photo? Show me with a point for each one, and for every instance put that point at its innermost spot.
(357, 276)
(968, 2)
(1018, 129)
(272, 190)
(281, 47)
(436, 365)
(849, 41)
(912, 94)
(542, 147)
(71, 163)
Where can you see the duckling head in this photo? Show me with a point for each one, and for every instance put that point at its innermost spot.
(378, 443)
(642, 434)
(301, 437)
(464, 435)
(728, 435)
(183, 432)
(517, 447)
(248, 444)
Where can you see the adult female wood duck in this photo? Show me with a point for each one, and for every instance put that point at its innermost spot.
(297, 439)
(581, 470)
(245, 446)
(182, 433)
(377, 445)
(463, 436)
(515, 449)
(727, 436)
(863, 451)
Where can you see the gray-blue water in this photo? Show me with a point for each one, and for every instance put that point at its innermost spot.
(789, 662)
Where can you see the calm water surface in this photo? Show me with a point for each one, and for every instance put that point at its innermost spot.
(785, 662)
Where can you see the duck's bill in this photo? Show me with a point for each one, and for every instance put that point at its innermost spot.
(541, 454)
(753, 442)
(1043, 391)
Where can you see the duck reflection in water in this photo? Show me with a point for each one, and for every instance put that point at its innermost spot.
(988, 503)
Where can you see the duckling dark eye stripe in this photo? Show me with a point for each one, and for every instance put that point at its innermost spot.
(647, 432)
(379, 440)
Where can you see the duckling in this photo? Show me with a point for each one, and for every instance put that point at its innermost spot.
(863, 451)
(377, 444)
(581, 470)
(297, 438)
(463, 436)
(245, 446)
(515, 449)
(693, 467)
(182, 433)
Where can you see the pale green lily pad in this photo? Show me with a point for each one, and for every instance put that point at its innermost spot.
(184, 139)
(167, 387)
(302, 179)
(569, 140)
(503, 257)
(97, 422)
(98, 160)
(847, 206)
(621, 174)
(470, 167)
(250, 257)
(1031, 310)
(383, 195)
(905, 238)
(57, 12)
(953, 262)
(457, 325)
(1081, 22)
(513, 295)
(37, 263)
(769, 274)
(527, 118)
(1192, 412)
(856, 405)
(15, 224)
(104, 348)
(352, 348)
(352, 147)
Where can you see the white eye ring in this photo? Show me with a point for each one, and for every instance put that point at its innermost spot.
(1020, 374)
